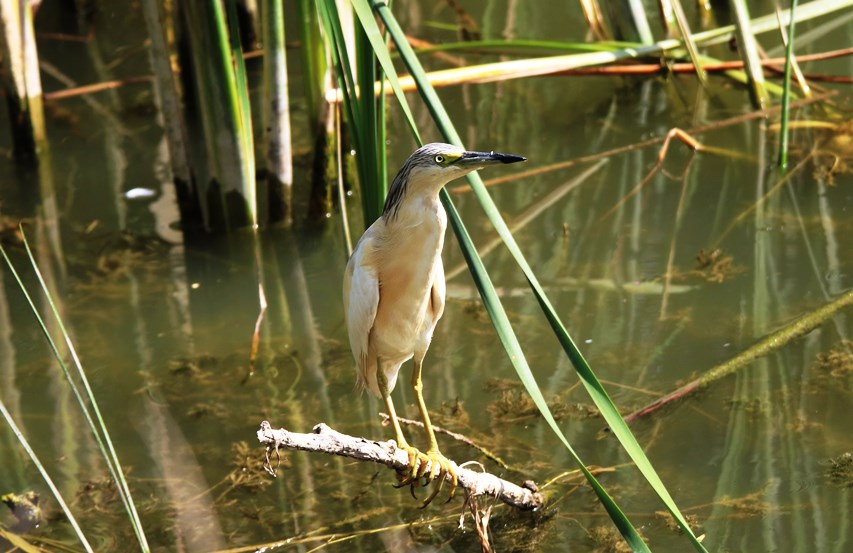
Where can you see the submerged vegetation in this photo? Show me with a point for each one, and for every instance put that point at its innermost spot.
(702, 84)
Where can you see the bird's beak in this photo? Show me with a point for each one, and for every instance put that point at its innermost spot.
(482, 159)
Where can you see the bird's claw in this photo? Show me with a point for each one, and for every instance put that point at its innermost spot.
(439, 467)
(417, 467)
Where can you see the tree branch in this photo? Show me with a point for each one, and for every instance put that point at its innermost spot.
(325, 440)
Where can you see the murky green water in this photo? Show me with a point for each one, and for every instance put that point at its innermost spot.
(164, 327)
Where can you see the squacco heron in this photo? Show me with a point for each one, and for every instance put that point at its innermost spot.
(394, 289)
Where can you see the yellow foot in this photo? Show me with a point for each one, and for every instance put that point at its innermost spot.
(439, 465)
(416, 468)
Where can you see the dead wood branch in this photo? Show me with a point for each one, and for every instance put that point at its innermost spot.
(326, 440)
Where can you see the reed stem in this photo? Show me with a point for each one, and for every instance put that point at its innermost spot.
(21, 81)
(276, 114)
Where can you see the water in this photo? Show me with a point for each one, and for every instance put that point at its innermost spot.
(164, 327)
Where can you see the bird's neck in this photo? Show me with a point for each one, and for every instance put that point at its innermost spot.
(411, 241)
(420, 209)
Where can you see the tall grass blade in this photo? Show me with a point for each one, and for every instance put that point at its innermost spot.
(99, 431)
(591, 383)
(748, 49)
(372, 191)
(689, 44)
(786, 95)
(276, 114)
(34, 458)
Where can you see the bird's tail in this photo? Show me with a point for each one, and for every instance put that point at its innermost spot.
(366, 377)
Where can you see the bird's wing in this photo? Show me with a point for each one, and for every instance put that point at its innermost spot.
(361, 298)
(438, 291)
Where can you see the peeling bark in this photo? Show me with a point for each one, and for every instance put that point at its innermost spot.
(326, 440)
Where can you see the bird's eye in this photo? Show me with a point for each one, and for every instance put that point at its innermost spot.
(439, 159)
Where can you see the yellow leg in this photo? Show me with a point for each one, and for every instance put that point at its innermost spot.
(417, 460)
(398, 432)
(440, 466)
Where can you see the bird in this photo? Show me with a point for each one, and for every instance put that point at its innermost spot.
(394, 290)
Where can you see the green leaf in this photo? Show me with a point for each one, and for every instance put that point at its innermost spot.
(786, 95)
(371, 29)
(374, 190)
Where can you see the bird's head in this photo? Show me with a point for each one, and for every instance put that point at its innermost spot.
(433, 165)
